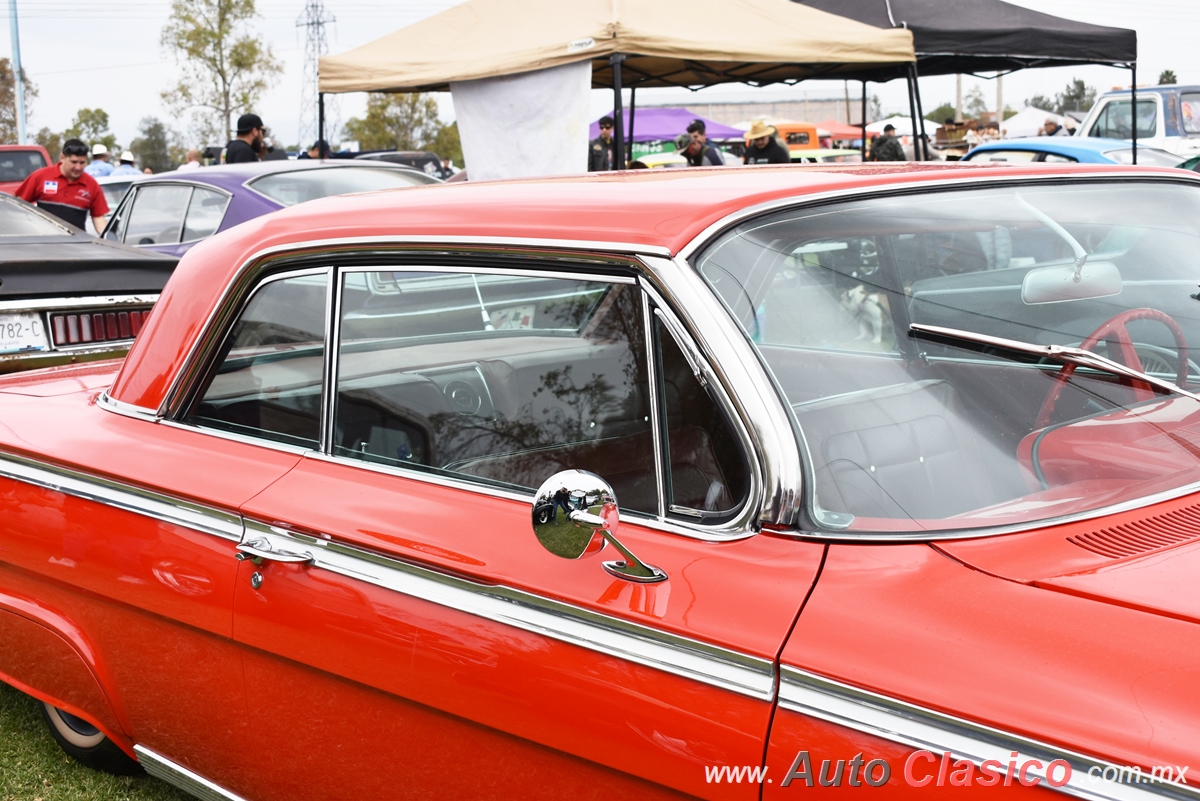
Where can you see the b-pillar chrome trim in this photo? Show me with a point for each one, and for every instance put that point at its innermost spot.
(162, 768)
(751, 390)
(680, 656)
(928, 730)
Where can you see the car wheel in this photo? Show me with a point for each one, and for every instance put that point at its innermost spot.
(86, 744)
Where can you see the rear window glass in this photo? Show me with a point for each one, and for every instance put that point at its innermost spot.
(17, 220)
(290, 188)
(15, 165)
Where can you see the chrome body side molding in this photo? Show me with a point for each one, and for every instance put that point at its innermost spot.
(122, 496)
(681, 656)
(162, 768)
(929, 730)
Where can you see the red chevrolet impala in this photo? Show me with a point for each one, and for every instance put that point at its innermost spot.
(734, 484)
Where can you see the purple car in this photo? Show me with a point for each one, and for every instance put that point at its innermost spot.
(171, 212)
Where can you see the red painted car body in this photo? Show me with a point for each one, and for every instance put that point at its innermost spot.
(284, 549)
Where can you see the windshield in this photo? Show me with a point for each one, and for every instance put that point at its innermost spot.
(19, 220)
(290, 188)
(910, 336)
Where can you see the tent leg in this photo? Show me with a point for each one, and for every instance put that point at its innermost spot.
(618, 113)
(912, 114)
(863, 126)
(632, 108)
(920, 114)
(320, 123)
(1133, 106)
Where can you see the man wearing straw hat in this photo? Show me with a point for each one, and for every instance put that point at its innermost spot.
(761, 147)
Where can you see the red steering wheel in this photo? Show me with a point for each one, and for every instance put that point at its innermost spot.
(1115, 332)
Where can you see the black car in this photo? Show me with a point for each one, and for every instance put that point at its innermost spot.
(66, 296)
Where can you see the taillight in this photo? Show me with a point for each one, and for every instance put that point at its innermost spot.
(82, 328)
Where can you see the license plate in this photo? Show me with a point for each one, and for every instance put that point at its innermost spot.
(21, 332)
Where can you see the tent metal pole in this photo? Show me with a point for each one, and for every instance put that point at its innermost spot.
(320, 124)
(632, 109)
(920, 112)
(912, 115)
(863, 123)
(1133, 106)
(618, 113)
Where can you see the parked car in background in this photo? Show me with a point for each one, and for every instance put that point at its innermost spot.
(17, 162)
(656, 161)
(901, 465)
(1070, 150)
(826, 155)
(423, 160)
(68, 297)
(1168, 118)
(172, 211)
(114, 188)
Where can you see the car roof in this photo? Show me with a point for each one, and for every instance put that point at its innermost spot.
(1161, 89)
(235, 174)
(1057, 144)
(649, 211)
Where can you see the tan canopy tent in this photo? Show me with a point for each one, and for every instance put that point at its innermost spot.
(664, 42)
(629, 43)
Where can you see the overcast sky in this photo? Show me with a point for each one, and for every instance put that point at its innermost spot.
(106, 54)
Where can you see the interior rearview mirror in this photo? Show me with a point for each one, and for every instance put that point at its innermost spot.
(1063, 282)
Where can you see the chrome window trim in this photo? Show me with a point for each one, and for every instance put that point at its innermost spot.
(126, 497)
(63, 304)
(139, 185)
(926, 729)
(172, 773)
(247, 273)
(748, 390)
(661, 465)
(691, 659)
(111, 404)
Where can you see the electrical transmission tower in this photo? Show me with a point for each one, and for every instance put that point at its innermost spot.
(315, 46)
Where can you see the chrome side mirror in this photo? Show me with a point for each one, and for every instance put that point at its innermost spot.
(575, 515)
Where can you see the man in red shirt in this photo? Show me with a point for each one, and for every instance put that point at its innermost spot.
(65, 190)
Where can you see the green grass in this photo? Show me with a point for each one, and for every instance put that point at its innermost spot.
(33, 768)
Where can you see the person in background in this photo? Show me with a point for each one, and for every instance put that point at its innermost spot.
(248, 146)
(706, 155)
(147, 171)
(126, 166)
(600, 149)
(887, 147)
(1051, 128)
(762, 147)
(65, 190)
(193, 160)
(99, 166)
(319, 150)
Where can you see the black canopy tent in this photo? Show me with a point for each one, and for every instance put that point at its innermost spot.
(975, 36)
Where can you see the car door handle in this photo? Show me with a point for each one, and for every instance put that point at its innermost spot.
(259, 550)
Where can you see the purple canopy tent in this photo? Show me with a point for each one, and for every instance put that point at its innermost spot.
(664, 124)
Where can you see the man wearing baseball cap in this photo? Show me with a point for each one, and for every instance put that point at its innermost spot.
(249, 142)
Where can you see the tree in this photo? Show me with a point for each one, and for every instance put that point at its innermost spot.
(51, 141)
(1042, 102)
(447, 143)
(875, 109)
(404, 121)
(8, 101)
(942, 113)
(1166, 77)
(1077, 96)
(157, 147)
(225, 68)
(91, 125)
(975, 104)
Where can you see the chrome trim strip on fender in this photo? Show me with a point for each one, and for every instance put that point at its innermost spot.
(160, 767)
(680, 656)
(925, 729)
(60, 304)
(122, 496)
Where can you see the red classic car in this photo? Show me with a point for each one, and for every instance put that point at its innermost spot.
(899, 468)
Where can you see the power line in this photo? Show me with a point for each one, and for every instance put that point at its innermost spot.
(315, 46)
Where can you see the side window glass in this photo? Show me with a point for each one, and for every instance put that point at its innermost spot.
(267, 383)
(1054, 158)
(504, 379)
(707, 475)
(204, 214)
(1114, 120)
(156, 217)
